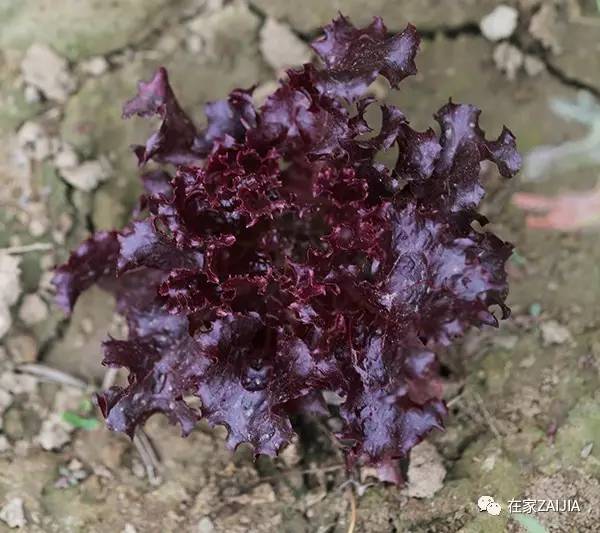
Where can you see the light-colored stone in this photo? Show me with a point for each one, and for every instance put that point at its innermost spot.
(43, 68)
(13, 513)
(194, 44)
(554, 333)
(52, 435)
(5, 400)
(33, 309)
(509, 59)
(88, 175)
(66, 157)
(232, 26)
(33, 140)
(95, 66)
(4, 444)
(32, 94)
(543, 26)
(533, 65)
(205, 525)
(426, 471)
(500, 23)
(281, 47)
(22, 348)
(18, 383)
(10, 288)
(587, 450)
(38, 226)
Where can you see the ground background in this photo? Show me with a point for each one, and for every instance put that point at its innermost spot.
(525, 400)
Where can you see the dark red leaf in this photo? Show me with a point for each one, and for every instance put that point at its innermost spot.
(282, 260)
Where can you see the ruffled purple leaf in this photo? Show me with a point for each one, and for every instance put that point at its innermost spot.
(282, 260)
(355, 57)
(173, 142)
(94, 260)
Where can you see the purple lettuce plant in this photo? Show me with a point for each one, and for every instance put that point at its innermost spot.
(274, 258)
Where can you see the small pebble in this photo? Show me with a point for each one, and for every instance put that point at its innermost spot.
(500, 23)
(38, 226)
(52, 436)
(33, 310)
(587, 450)
(426, 471)
(43, 68)
(13, 513)
(88, 175)
(66, 157)
(32, 95)
(554, 333)
(4, 444)
(34, 141)
(205, 525)
(509, 59)
(10, 288)
(95, 66)
(23, 348)
(281, 47)
(533, 66)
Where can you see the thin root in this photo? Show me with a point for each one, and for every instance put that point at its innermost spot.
(148, 455)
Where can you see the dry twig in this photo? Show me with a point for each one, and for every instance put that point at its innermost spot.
(352, 498)
(52, 375)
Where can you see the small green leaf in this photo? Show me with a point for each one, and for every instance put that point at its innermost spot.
(86, 406)
(80, 422)
(535, 309)
(530, 523)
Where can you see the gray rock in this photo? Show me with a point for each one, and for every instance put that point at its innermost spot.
(53, 435)
(17, 103)
(22, 348)
(95, 66)
(33, 309)
(555, 333)
(426, 471)
(44, 69)
(35, 143)
(205, 525)
(10, 288)
(13, 513)
(509, 59)
(88, 175)
(66, 157)
(281, 47)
